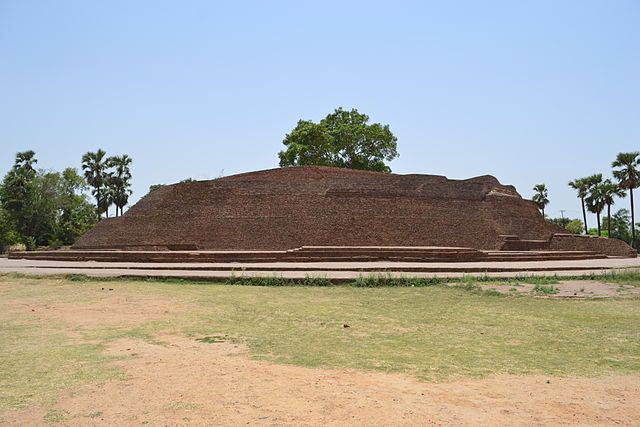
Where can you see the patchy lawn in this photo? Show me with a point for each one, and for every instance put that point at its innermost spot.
(55, 333)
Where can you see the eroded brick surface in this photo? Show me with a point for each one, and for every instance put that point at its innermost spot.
(288, 208)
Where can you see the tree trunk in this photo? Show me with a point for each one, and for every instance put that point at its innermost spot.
(598, 218)
(609, 220)
(633, 226)
(584, 215)
(98, 202)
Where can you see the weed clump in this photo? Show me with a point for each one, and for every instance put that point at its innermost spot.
(388, 280)
(259, 281)
(544, 290)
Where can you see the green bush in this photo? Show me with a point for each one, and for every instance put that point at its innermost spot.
(316, 281)
(388, 280)
(259, 281)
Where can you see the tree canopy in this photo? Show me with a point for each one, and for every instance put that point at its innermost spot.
(39, 207)
(342, 139)
(540, 198)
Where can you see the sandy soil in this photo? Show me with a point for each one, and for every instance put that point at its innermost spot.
(573, 289)
(186, 382)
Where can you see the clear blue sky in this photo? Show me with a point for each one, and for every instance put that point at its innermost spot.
(529, 91)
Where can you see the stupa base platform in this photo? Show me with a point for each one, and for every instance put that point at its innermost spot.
(308, 254)
(335, 271)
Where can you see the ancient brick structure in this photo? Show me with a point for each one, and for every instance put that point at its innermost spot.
(287, 208)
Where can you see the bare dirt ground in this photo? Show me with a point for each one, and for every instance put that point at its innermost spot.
(186, 382)
(573, 289)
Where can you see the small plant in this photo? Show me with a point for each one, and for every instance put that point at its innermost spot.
(55, 416)
(315, 281)
(77, 277)
(493, 293)
(93, 414)
(538, 280)
(388, 280)
(260, 281)
(544, 290)
(213, 339)
(468, 286)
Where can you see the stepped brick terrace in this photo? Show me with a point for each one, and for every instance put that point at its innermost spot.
(314, 214)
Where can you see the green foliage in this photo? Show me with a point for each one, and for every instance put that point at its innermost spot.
(622, 277)
(54, 416)
(95, 167)
(544, 290)
(391, 330)
(581, 185)
(42, 207)
(154, 187)
(540, 198)
(628, 170)
(110, 179)
(8, 233)
(76, 213)
(316, 281)
(575, 226)
(628, 176)
(313, 281)
(118, 181)
(342, 139)
(620, 226)
(18, 195)
(535, 280)
(260, 281)
(389, 280)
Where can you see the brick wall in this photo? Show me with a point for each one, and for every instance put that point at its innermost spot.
(573, 242)
(316, 206)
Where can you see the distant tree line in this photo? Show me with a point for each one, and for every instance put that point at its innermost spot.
(47, 208)
(596, 194)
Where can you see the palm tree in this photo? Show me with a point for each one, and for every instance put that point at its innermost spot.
(595, 199)
(25, 161)
(106, 198)
(609, 190)
(582, 186)
(540, 198)
(94, 166)
(119, 180)
(628, 177)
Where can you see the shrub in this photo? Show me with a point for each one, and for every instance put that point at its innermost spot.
(388, 280)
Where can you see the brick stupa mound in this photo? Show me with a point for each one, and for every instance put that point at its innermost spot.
(288, 208)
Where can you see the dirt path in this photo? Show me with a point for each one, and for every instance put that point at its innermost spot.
(186, 382)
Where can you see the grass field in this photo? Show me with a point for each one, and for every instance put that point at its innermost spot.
(53, 331)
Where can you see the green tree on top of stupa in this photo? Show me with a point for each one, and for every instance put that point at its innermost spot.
(342, 139)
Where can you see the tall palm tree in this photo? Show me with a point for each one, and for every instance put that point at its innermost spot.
(540, 198)
(609, 190)
(628, 176)
(582, 186)
(106, 199)
(119, 180)
(25, 160)
(95, 166)
(595, 200)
